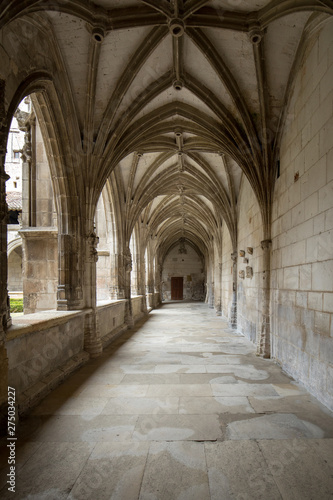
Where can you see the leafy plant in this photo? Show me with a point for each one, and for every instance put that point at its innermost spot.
(16, 305)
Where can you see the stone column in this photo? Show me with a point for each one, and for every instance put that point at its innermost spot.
(117, 288)
(127, 258)
(150, 285)
(263, 338)
(92, 341)
(142, 281)
(233, 308)
(210, 287)
(69, 293)
(157, 285)
(218, 295)
(5, 320)
(135, 289)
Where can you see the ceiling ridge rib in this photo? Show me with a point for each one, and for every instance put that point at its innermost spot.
(224, 73)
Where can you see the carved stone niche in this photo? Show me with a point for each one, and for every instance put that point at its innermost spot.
(245, 260)
(241, 274)
(249, 272)
(242, 253)
(249, 250)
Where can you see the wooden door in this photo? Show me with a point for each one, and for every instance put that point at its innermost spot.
(177, 288)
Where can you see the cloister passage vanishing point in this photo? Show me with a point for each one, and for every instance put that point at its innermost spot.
(173, 149)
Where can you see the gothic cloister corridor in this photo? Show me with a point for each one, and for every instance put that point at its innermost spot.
(179, 407)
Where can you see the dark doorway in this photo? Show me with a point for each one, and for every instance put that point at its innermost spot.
(177, 288)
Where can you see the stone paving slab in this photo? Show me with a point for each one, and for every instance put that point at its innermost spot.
(180, 390)
(51, 472)
(238, 470)
(214, 405)
(112, 471)
(142, 406)
(178, 428)
(158, 417)
(77, 428)
(243, 390)
(276, 426)
(175, 470)
(299, 469)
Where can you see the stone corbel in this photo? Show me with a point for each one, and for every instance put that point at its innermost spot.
(92, 240)
(265, 244)
(128, 260)
(249, 272)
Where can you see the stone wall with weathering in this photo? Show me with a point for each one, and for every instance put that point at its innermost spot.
(302, 231)
(190, 267)
(250, 234)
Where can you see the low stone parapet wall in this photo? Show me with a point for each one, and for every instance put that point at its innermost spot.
(137, 307)
(111, 320)
(43, 349)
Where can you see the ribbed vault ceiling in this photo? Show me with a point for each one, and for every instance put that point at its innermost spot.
(178, 99)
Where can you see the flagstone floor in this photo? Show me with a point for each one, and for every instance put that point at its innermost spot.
(178, 408)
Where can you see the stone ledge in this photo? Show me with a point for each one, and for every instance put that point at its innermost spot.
(101, 304)
(32, 396)
(31, 323)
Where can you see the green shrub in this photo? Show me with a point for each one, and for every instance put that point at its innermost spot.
(16, 305)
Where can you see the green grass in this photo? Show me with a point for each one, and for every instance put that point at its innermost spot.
(16, 305)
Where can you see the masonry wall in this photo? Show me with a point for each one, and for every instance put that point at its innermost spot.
(250, 234)
(189, 266)
(226, 272)
(302, 277)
